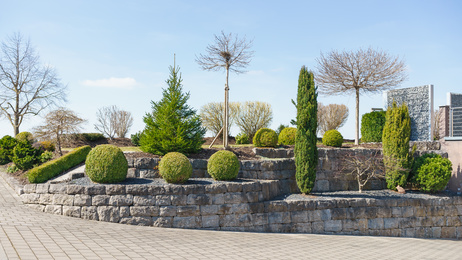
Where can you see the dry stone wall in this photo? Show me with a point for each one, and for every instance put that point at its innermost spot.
(250, 206)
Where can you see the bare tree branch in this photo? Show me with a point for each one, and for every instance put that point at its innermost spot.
(26, 87)
(59, 124)
(231, 54)
(112, 121)
(362, 71)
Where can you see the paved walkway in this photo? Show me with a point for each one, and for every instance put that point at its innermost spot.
(28, 234)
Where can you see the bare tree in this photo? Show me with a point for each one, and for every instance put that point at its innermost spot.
(59, 125)
(231, 54)
(362, 71)
(212, 115)
(363, 168)
(253, 115)
(112, 122)
(437, 122)
(124, 123)
(26, 87)
(332, 116)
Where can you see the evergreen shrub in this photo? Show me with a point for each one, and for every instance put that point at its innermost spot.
(332, 138)
(372, 126)
(287, 136)
(25, 156)
(395, 143)
(434, 173)
(223, 165)
(46, 146)
(7, 144)
(93, 137)
(106, 164)
(53, 168)
(25, 136)
(175, 167)
(306, 152)
(265, 137)
(242, 138)
(135, 138)
(172, 126)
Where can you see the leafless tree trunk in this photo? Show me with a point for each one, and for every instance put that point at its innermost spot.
(231, 54)
(26, 87)
(59, 124)
(362, 71)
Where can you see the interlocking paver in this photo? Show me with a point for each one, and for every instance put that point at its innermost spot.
(29, 234)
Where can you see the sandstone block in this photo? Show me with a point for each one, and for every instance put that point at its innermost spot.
(71, 211)
(108, 213)
(162, 222)
(90, 213)
(54, 209)
(121, 200)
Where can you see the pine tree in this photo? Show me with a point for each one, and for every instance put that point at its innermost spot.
(172, 126)
(395, 142)
(306, 152)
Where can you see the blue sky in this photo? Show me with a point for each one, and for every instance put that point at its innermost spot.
(118, 52)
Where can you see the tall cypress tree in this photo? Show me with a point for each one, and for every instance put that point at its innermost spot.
(306, 152)
(172, 126)
(395, 142)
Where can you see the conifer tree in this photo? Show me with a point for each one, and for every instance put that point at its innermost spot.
(395, 142)
(172, 126)
(306, 152)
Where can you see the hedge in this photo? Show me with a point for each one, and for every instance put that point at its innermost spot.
(52, 168)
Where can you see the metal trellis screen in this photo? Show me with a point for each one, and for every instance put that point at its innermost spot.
(455, 123)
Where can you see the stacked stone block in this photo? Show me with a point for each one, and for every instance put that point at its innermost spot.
(248, 206)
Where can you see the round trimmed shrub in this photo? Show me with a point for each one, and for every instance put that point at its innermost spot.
(223, 165)
(175, 167)
(106, 164)
(242, 138)
(434, 174)
(25, 136)
(265, 137)
(419, 161)
(287, 136)
(332, 138)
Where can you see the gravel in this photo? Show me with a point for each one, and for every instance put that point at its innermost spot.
(85, 181)
(368, 194)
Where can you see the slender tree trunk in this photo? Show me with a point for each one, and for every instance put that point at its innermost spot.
(16, 116)
(357, 117)
(225, 129)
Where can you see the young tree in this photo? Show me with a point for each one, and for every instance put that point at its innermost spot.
(395, 143)
(252, 116)
(363, 167)
(172, 126)
(362, 71)
(59, 124)
(231, 54)
(212, 115)
(306, 152)
(113, 122)
(332, 116)
(26, 87)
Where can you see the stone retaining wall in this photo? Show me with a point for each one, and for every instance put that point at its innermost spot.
(247, 206)
(329, 176)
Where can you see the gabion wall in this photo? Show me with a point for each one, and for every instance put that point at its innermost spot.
(420, 103)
